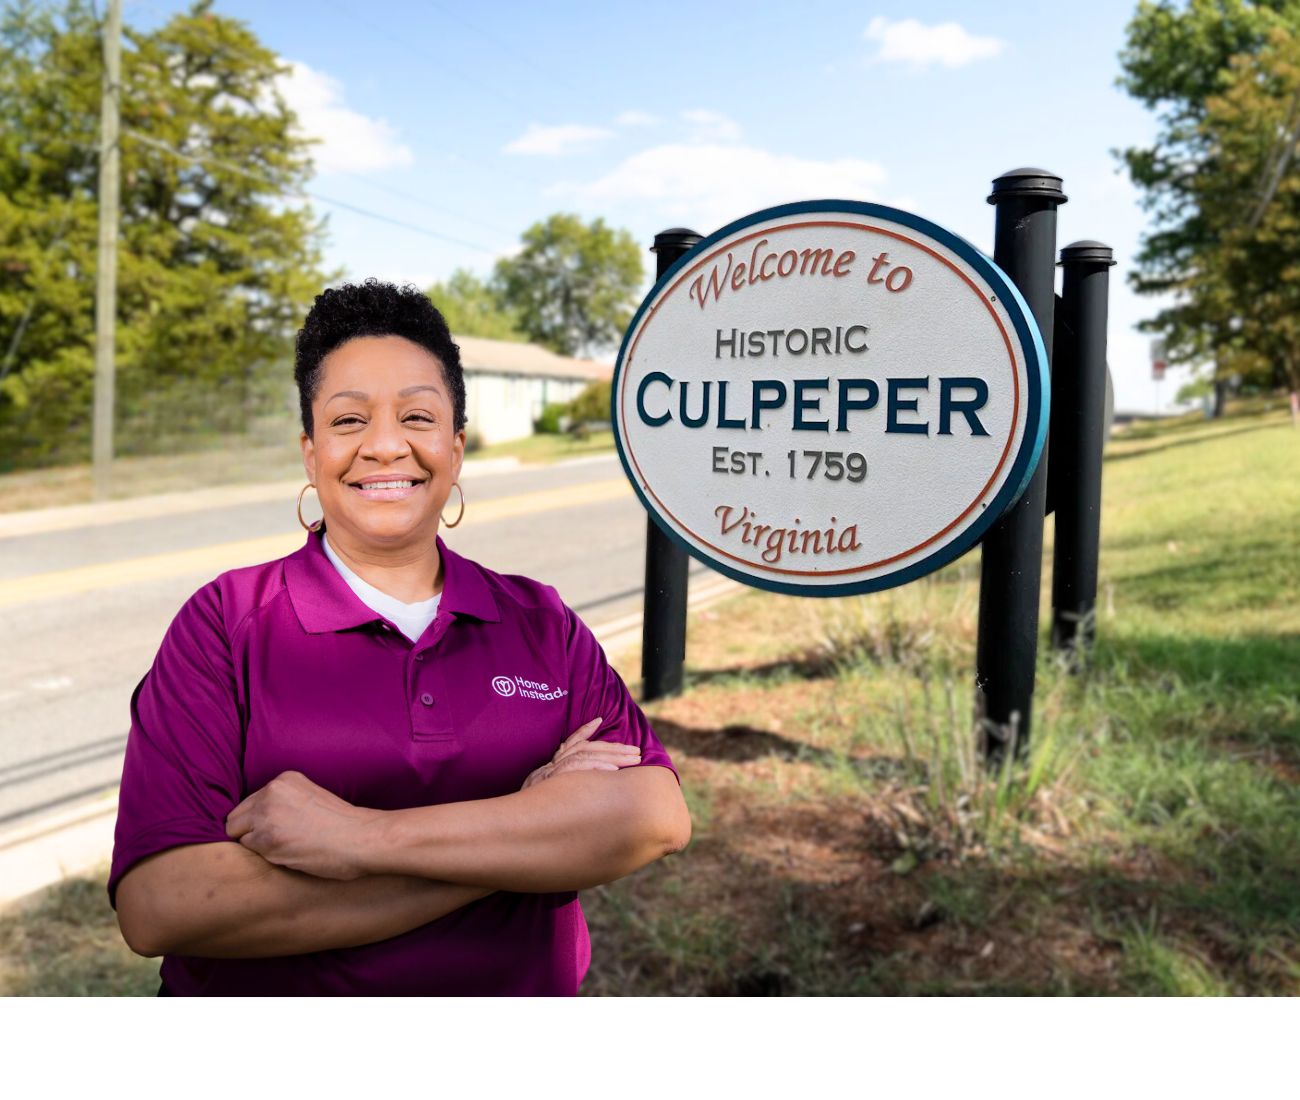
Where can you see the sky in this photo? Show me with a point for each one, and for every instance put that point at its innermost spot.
(468, 123)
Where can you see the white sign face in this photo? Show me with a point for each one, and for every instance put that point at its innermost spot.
(830, 397)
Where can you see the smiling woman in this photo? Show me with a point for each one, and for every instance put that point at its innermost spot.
(384, 462)
(376, 767)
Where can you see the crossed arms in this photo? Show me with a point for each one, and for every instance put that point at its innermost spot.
(312, 872)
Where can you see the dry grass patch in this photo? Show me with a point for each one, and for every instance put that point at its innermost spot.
(64, 942)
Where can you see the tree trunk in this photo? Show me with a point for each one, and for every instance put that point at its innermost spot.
(1293, 384)
(1220, 396)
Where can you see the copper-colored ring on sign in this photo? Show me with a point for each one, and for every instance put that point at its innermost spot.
(1015, 408)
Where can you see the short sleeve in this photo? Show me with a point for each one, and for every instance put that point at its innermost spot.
(597, 691)
(182, 775)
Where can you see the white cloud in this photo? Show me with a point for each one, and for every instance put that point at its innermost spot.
(711, 126)
(350, 141)
(709, 185)
(551, 141)
(636, 118)
(947, 44)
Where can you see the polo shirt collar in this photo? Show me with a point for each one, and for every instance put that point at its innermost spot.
(324, 602)
(465, 590)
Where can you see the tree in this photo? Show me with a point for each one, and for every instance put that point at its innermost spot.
(573, 286)
(472, 308)
(217, 260)
(1175, 59)
(592, 404)
(1250, 198)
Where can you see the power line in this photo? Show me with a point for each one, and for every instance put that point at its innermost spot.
(215, 162)
(421, 201)
(524, 56)
(492, 88)
(405, 44)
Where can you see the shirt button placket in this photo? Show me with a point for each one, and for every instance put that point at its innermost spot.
(427, 699)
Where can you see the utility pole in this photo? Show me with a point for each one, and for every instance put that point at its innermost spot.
(106, 265)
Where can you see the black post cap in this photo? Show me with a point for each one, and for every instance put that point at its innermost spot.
(1028, 183)
(1088, 252)
(676, 238)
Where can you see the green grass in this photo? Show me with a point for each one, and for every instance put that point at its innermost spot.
(1148, 844)
(548, 448)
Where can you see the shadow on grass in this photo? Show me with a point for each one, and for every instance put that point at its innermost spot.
(1244, 575)
(808, 666)
(738, 743)
(1248, 662)
(733, 918)
(1179, 879)
(1207, 437)
(1164, 926)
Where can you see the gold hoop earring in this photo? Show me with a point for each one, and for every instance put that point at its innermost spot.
(312, 527)
(461, 514)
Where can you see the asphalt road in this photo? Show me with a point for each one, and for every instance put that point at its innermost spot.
(83, 608)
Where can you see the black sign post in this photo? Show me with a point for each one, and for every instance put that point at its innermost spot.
(1026, 202)
(1078, 429)
(663, 624)
(1011, 561)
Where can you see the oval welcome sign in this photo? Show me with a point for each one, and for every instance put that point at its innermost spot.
(830, 397)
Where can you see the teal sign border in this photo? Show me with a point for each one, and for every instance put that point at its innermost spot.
(1037, 400)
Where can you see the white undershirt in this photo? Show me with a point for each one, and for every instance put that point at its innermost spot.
(410, 618)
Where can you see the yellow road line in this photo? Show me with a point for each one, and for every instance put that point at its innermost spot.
(548, 500)
(212, 560)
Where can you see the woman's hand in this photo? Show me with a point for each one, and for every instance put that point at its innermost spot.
(578, 754)
(294, 823)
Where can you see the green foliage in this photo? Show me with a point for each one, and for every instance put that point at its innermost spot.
(1250, 195)
(1157, 968)
(1194, 390)
(215, 268)
(549, 423)
(1176, 58)
(591, 405)
(573, 286)
(544, 449)
(473, 308)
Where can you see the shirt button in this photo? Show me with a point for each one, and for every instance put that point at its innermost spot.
(426, 699)
(419, 656)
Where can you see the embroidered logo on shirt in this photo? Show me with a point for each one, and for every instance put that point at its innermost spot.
(506, 686)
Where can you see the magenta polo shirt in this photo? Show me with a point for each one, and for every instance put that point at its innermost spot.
(281, 667)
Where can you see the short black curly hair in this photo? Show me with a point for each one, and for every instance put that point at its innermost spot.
(374, 308)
